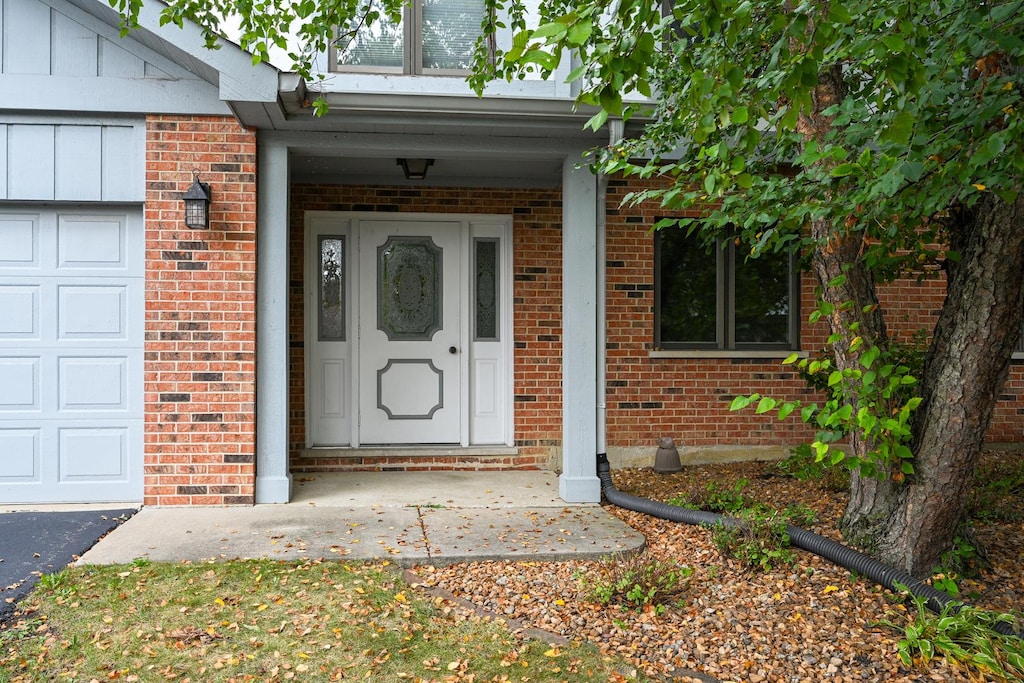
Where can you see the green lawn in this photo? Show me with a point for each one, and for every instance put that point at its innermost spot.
(268, 621)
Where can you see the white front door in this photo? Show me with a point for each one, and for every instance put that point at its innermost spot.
(410, 337)
(408, 328)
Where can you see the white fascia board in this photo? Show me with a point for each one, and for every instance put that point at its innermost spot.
(425, 102)
(240, 79)
(529, 112)
(453, 145)
(342, 82)
(121, 95)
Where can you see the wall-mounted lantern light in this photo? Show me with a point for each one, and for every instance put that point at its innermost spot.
(415, 169)
(197, 204)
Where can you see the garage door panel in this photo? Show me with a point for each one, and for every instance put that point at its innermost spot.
(92, 312)
(93, 384)
(20, 236)
(19, 384)
(19, 312)
(72, 304)
(94, 242)
(93, 454)
(70, 461)
(20, 455)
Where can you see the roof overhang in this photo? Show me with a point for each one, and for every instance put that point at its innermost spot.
(245, 87)
(404, 112)
(495, 140)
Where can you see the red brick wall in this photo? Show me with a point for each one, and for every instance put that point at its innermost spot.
(685, 398)
(200, 315)
(200, 325)
(914, 306)
(1008, 421)
(689, 398)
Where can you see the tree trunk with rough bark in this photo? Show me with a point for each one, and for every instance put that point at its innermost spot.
(913, 524)
(910, 524)
(848, 285)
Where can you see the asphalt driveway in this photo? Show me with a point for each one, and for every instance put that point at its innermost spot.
(37, 543)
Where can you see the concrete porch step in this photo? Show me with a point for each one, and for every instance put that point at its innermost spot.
(417, 459)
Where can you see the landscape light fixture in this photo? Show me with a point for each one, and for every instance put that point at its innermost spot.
(197, 204)
(415, 169)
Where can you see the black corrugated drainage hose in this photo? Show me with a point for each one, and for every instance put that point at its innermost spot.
(834, 552)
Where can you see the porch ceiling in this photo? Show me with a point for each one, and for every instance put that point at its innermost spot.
(455, 172)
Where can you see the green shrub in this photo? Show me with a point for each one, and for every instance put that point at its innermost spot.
(57, 583)
(962, 560)
(761, 540)
(800, 515)
(714, 498)
(802, 464)
(637, 580)
(966, 638)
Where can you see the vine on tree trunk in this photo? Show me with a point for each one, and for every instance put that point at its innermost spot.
(874, 399)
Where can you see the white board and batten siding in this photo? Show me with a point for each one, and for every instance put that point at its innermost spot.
(59, 40)
(73, 100)
(74, 160)
(57, 57)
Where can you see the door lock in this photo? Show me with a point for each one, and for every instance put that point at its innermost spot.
(452, 350)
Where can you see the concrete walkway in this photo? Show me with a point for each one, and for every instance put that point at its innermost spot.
(409, 518)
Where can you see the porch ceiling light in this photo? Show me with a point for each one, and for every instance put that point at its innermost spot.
(415, 169)
(197, 204)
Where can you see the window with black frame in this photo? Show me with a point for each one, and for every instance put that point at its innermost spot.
(712, 297)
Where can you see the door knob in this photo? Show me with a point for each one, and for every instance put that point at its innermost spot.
(452, 350)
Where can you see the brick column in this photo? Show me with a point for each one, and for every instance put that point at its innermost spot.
(200, 315)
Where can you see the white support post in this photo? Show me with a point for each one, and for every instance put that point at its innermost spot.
(273, 482)
(578, 482)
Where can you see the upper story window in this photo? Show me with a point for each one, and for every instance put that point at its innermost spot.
(435, 37)
(715, 299)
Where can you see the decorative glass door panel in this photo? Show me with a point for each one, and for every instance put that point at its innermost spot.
(331, 302)
(409, 301)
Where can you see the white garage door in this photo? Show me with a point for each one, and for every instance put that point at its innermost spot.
(71, 339)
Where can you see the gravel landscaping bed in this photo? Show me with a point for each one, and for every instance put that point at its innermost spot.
(809, 621)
